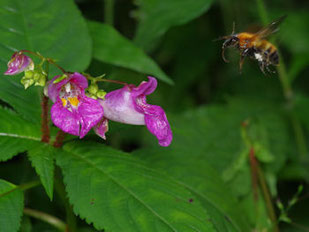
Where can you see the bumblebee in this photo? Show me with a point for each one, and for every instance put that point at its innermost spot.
(254, 45)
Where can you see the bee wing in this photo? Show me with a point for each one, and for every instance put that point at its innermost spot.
(270, 28)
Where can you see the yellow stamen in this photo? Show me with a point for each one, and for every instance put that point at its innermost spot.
(74, 101)
(64, 102)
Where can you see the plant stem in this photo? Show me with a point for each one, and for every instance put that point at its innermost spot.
(267, 198)
(254, 178)
(70, 217)
(287, 89)
(55, 222)
(109, 12)
(44, 117)
(49, 60)
(22, 187)
(59, 139)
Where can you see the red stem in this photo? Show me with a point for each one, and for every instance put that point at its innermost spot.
(59, 139)
(44, 124)
(254, 173)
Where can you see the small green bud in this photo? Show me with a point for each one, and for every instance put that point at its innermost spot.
(27, 82)
(91, 95)
(29, 74)
(101, 94)
(41, 81)
(93, 88)
(36, 76)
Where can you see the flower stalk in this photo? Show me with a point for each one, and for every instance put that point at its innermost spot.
(52, 220)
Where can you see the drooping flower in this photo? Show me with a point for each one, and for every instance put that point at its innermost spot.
(73, 112)
(128, 105)
(19, 63)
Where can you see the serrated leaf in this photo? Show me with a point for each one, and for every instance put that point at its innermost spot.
(111, 47)
(42, 159)
(11, 207)
(55, 29)
(16, 134)
(157, 16)
(119, 193)
(201, 179)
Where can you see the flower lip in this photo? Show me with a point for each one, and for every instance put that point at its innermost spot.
(128, 105)
(19, 62)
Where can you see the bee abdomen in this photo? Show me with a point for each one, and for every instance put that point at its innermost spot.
(274, 58)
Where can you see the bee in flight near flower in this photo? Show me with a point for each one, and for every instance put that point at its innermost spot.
(254, 45)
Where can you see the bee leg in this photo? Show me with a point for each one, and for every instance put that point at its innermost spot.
(241, 62)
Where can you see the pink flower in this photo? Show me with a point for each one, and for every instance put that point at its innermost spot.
(73, 112)
(19, 63)
(128, 105)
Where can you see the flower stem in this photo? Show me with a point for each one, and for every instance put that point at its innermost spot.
(44, 117)
(49, 60)
(113, 81)
(22, 187)
(254, 171)
(55, 222)
(109, 11)
(59, 139)
(287, 89)
(70, 217)
(267, 198)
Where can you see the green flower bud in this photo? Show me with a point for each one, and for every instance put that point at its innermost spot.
(29, 74)
(36, 76)
(101, 94)
(41, 81)
(26, 82)
(93, 89)
(91, 95)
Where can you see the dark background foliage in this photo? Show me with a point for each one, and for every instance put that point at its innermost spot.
(217, 116)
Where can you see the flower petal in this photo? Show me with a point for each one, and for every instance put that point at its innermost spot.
(101, 128)
(90, 112)
(156, 121)
(64, 119)
(146, 87)
(118, 106)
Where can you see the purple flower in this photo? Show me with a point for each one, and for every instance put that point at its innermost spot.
(73, 112)
(19, 63)
(128, 105)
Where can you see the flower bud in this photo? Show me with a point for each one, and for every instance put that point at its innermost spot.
(41, 81)
(101, 94)
(19, 63)
(29, 74)
(93, 89)
(27, 82)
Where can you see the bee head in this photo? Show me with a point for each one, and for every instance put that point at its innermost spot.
(230, 41)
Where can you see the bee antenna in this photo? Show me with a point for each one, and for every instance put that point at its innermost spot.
(233, 28)
(221, 38)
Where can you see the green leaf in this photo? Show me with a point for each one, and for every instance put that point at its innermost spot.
(16, 134)
(11, 207)
(157, 16)
(202, 180)
(119, 193)
(111, 47)
(55, 29)
(42, 159)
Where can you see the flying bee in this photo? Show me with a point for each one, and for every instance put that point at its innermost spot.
(254, 45)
